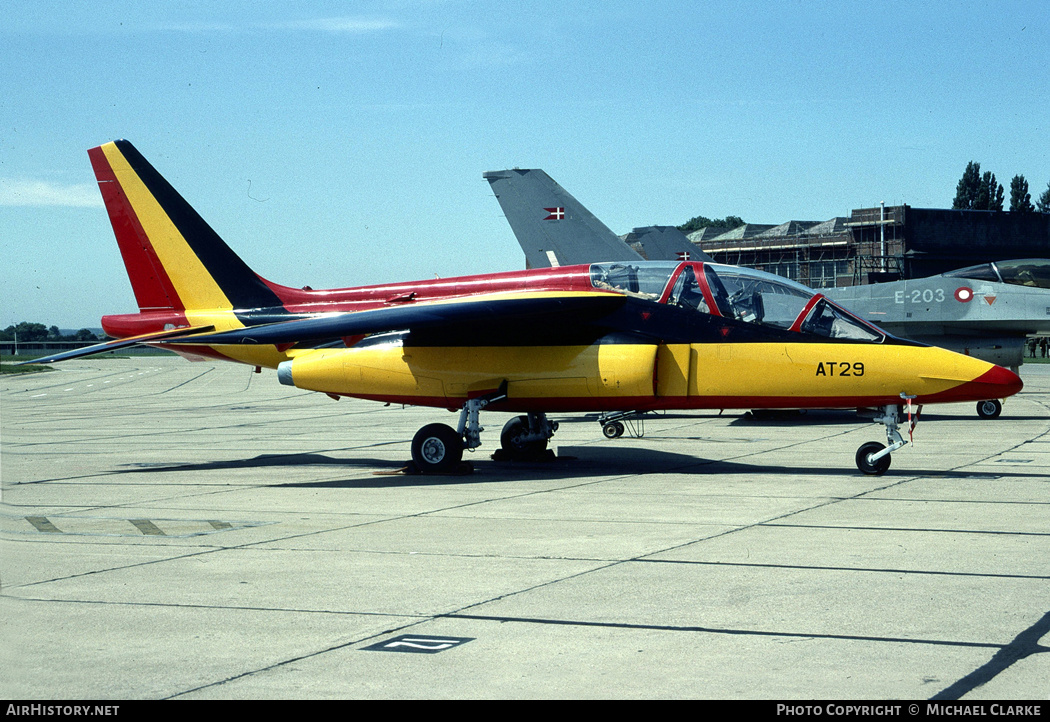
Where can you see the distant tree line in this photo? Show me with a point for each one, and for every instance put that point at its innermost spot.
(695, 224)
(977, 192)
(26, 332)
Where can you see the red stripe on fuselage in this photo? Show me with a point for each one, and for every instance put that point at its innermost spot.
(971, 391)
(563, 278)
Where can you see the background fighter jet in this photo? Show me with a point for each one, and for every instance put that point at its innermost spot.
(597, 337)
(985, 311)
(555, 229)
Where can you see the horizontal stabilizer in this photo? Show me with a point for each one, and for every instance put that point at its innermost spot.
(665, 243)
(117, 343)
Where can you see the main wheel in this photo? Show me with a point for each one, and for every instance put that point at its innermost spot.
(989, 409)
(872, 468)
(513, 438)
(613, 430)
(436, 448)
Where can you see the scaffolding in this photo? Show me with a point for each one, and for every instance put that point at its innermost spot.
(877, 243)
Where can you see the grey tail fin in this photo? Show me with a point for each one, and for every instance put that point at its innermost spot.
(552, 227)
(664, 243)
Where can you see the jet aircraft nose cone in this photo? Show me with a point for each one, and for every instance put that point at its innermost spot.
(995, 383)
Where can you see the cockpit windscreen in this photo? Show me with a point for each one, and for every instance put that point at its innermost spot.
(1031, 272)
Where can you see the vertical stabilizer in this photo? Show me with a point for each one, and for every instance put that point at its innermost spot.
(173, 257)
(552, 227)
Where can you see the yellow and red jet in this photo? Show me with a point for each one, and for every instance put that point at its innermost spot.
(603, 337)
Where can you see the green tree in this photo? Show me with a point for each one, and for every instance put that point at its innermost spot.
(969, 188)
(1020, 198)
(994, 191)
(1043, 204)
(26, 331)
(976, 192)
(698, 222)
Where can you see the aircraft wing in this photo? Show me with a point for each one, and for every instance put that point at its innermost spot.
(459, 314)
(551, 226)
(118, 343)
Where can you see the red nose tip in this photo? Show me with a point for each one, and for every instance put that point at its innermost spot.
(995, 383)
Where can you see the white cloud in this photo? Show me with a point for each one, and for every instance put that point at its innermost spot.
(352, 25)
(21, 192)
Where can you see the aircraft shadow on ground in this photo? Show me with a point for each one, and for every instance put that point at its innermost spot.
(833, 417)
(571, 463)
(794, 417)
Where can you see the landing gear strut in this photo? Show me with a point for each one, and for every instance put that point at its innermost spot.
(873, 458)
(438, 448)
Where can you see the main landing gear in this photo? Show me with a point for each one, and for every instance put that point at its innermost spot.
(873, 458)
(989, 409)
(438, 448)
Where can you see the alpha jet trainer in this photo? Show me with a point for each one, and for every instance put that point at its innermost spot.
(1010, 299)
(593, 337)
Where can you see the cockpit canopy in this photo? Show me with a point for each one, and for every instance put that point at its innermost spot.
(1032, 272)
(742, 294)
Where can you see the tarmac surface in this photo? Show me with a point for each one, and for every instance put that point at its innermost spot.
(197, 531)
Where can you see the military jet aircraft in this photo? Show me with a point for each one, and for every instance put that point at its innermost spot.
(593, 337)
(555, 229)
(1011, 299)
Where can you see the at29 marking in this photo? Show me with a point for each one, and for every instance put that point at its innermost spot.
(840, 368)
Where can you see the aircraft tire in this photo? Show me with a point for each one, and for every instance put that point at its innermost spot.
(511, 439)
(613, 430)
(437, 448)
(989, 409)
(876, 468)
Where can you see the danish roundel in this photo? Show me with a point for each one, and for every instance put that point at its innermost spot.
(963, 294)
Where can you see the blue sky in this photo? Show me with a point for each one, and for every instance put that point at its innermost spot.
(342, 143)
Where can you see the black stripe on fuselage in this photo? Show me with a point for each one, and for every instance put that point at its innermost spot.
(637, 321)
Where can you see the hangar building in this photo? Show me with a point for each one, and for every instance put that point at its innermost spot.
(886, 243)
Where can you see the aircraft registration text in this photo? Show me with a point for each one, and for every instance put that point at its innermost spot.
(839, 368)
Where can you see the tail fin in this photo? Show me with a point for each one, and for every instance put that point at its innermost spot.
(552, 227)
(173, 257)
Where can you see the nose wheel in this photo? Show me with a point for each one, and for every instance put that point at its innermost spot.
(873, 458)
(877, 467)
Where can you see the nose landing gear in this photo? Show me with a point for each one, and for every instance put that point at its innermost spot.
(873, 458)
